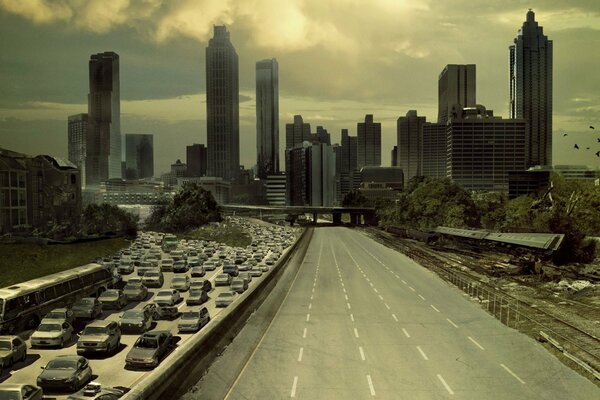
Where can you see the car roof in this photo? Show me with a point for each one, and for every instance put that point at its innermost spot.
(8, 337)
(68, 357)
(99, 323)
(153, 334)
(10, 386)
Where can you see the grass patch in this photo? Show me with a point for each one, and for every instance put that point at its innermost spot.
(22, 262)
(229, 234)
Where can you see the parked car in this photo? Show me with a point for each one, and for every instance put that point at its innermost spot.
(193, 320)
(135, 292)
(224, 299)
(149, 349)
(198, 271)
(201, 284)
(244, 267)
(166, 312)
(180, 266)
(167, 297)
(99, 337)
(126, 267)
(87, 308)
(136, 320)
(239, 285)
(20, 391)
(255, 271)
(60, 314)
(153, 278)
(245, 276)
(230, 269)
(65, 373)
(12, 350)
(223, 280)
(263, 267)
(181, 283)
(113, 299)
(166, 264)
(52, 333)
(196, 297)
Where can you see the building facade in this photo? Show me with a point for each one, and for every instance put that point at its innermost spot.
(222, 106)
(297, 132)
(196, 160)
(530, 69)
(522, 183)
(456, 85)
(103, 144)
(348, 152)
(139, 156)
(368, 146)
(77, 127)
(409, 132)
(267, 117)
(310, 170)
(218, 187)
(276, 189)
(433, 154)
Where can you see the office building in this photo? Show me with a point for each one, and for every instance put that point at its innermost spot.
(103, 145)
(531, 89)
(139, 156)
(349, 152)
(321, 136)
(222, 106)
(433, 154)
(276, 189)
(522, 183)
(456, 85)
(218, 187)
(267, 117)
(381, 183)
(77, 127)
(368, 146)
(196, 160)
(581, 173)
(409, 130)
(483, 149)
(297, 132)
(121, 192)
(394, 157)
(310, 170)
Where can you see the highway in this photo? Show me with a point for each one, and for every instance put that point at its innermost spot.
(363, 321)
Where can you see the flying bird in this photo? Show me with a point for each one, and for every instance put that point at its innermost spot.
(598, 140)
(565, 134)
(587, 148)
(576, 147)
(598, 154)
(591, 127)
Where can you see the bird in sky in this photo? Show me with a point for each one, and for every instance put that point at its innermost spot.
(598, 153)
(598, 139)
(591, 127)
(587, 148)
(576, 147)
(565, 134)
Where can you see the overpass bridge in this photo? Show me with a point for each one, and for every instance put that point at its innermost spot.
(358, 215)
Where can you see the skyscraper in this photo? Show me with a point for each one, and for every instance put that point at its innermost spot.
(103, 144)
(321, 136)
(433, 155)
(77, 135)
(222, 106)
(348, 152)
(310, 170)
(368, 146)
(297, 132)
(456, 85)
(409, 131)
(196, 160)
(267, 117)
(531, 89)
(139, 156)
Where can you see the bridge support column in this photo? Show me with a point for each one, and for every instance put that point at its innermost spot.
(315, 217)
(354, 218)
(337, 218)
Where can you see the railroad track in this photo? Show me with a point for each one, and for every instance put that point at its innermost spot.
(529, 318)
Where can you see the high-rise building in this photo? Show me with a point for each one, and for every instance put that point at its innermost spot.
(368, 143)
(275, 187)
(139, 156)
(456, 85)
(267, 117)
(409, 131)
(310, 170)
(483, 149)
(196, 160)
(297, 132)
(77, 136)
(531, 89)
(394, 157)
(433, 155)
(321, 136)
(222, 106)
(103, 144)
(349, 152)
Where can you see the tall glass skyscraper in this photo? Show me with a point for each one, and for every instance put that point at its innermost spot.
(103, 144)
(368, 146)
(531, 89)
(267, 117)
(456, 85)
(222, 106)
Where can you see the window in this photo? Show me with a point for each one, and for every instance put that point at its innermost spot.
(47, 294)
(73, 178)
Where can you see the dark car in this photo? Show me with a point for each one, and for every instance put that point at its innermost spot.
(136, 321)
(135, 291)
(95, 391)
(198, 271)
(113, 299)
(193, 320)
(65, 373)
(230, 269)
(223, 280)
(196, 297)
(12, 350)
(19, 391)
(149, 349)
(180, 266)
(88, 307)
(167, 312)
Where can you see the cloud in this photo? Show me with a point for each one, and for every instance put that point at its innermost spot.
(39, 11)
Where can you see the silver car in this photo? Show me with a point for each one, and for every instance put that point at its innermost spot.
(52, 333)
(224, 299)
(167, 297)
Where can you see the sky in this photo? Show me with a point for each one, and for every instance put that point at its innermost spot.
(338, 60)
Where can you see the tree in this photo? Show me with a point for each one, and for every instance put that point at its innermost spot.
(491, 207)
(355, 198)
(104, 218)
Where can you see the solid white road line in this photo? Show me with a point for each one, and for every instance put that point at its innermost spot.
(300, 354)
(395, 318)
(405, 333)
(307, 317)
(362, 353)
(304, 334)
(432, 306)
(371, 388)
(451, 323)
(293, 394)
(422, 353)
(356, 332)
(445, 384)
(421, 296)
(476, 344)
(352, 317)
(512, 373)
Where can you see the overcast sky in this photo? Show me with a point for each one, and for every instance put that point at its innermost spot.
(338, 60)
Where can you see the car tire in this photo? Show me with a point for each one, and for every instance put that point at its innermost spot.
(24, 356)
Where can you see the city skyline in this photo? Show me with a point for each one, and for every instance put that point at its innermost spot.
(38, 114)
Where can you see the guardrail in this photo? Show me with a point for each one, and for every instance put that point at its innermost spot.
(184, 367)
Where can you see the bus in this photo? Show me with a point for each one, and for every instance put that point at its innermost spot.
(22, 306)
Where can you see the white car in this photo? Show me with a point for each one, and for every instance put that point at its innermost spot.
(168, 297)
(52, 333)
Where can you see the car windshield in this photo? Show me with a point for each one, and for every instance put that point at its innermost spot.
(10, 394)
(151, 273)
(62, 364)
(147, 343)
(196, 292)
(85, 302)
(226, 294)
(131, 314)
(164, 293)
(55, 315)
(178, 280)
(110, 293)
(190, 315)
(49, 327)
(132, 287)
(5, 345)
(223, 276)
(94, 330)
